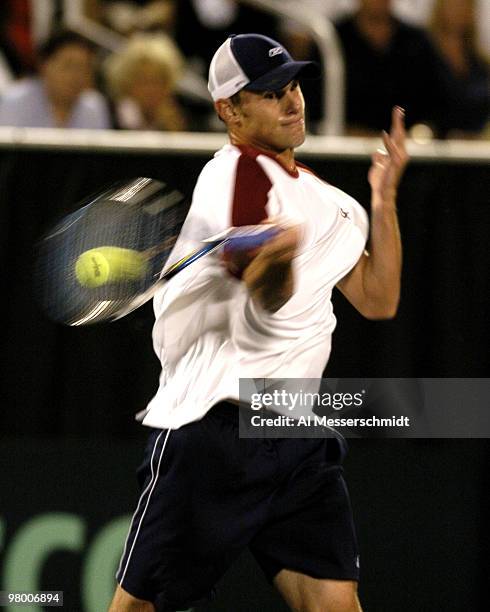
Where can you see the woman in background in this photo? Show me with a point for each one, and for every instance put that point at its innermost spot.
(464, 69)
(141, 80)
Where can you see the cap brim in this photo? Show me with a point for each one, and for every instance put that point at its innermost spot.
(282, 75)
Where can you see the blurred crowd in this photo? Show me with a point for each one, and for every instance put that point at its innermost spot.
(156, 78)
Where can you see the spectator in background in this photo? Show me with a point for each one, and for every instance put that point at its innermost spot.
(388, 63)
(62, 95)
(464, 69)
(201, 25)
(141, 80)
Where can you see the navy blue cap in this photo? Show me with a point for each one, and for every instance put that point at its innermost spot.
(267, 64)
(256, 63)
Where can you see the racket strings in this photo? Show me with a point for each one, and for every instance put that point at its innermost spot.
(110, 233)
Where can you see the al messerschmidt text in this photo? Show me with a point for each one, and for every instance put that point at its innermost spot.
(324, 421)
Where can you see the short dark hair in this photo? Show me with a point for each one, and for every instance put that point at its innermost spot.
(60, 39)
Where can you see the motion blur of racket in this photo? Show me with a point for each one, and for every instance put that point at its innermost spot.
(109, 257)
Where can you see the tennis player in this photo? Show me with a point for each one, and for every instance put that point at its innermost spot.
(206, 493)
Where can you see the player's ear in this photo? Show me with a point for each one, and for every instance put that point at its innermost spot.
(227, 111)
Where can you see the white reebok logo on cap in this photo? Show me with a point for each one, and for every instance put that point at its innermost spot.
(275, 51)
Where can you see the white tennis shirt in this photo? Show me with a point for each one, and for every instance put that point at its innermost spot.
(208, 331)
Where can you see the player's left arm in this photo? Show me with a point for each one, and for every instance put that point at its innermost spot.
(373, 285)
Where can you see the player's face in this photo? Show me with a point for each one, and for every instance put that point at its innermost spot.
(273, 120)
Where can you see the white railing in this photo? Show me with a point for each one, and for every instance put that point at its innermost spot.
(188, 143)
(75, 19)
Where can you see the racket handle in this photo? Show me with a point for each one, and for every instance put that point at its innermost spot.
(237, 241)
(250, 241)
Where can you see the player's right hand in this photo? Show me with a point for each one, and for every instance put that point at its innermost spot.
(269, 276)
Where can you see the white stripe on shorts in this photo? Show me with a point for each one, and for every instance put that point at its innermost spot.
(149, 487)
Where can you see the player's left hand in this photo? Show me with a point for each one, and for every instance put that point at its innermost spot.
(388, 166)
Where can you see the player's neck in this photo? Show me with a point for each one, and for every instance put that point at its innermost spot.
(284, 157)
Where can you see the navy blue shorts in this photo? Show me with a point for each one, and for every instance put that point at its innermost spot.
(207, 494)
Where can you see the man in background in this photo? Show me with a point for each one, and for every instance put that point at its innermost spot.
(63, 94)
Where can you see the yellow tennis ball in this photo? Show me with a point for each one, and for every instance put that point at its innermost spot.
(92, 269)
(106, 264)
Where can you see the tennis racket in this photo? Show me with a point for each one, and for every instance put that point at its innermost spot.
(108, 257)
